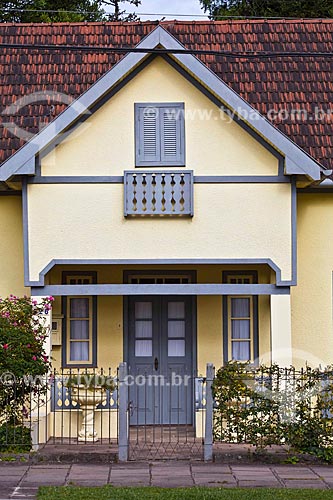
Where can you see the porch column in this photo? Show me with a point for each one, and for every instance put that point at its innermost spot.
(281, 344)
(40, 424)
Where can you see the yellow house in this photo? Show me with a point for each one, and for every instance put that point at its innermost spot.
(173, 223)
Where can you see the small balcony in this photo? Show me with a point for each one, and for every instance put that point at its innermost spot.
(158, 193)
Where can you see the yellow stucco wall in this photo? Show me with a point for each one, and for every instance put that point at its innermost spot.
(104, 144)
(312, 329)
(110, 320)
(87, 222)
(74, 221)
(11, 247)
(231, 221)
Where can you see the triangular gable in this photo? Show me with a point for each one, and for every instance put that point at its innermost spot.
(297, 161)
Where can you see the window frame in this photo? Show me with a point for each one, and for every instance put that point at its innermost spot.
(140, 161)
(254, 324)
(66, 362)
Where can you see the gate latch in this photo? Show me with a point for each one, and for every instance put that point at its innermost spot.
(130, 408)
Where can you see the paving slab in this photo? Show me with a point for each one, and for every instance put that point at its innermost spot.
(207, 481)
(12, 470)
(173, 475)
(20, 492)
(5, 493)
(257, 484)
(18, 481)
(210, 467)
(172, 483)
(130, 481)
(323, 471)
(131, 466)
(304, 475)
(306, 484)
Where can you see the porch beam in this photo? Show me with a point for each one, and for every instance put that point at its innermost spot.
(160, 289)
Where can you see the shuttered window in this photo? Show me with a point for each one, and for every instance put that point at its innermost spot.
(159, 134)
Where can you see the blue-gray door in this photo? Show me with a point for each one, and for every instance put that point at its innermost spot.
(160, 360)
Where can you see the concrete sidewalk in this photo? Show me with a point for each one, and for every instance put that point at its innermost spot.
(22, 481)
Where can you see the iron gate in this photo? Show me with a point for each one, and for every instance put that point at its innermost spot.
(180, 433)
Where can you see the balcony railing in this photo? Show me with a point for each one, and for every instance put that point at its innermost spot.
(158, 193)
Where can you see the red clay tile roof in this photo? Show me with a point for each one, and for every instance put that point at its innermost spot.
(273, 83)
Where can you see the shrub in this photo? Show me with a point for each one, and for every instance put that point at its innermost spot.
(23, 361)
(15, 438)
(273, 405)
(91, 381)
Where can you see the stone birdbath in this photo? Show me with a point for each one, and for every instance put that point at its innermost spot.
(89, 391)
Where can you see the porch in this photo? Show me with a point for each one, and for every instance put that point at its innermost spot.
(108, 313)
(165, 323)
(73, 413)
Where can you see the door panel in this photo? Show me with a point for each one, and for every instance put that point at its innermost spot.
(160, 360)
(143, 346)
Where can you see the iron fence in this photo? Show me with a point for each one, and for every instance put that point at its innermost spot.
(68, 407)
(272, 405)
(171, 419)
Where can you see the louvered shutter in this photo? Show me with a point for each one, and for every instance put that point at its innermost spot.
(170, 120)
(160, 134)
(148, 139)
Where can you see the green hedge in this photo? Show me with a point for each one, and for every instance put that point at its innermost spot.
(15, 438)
(269, 405)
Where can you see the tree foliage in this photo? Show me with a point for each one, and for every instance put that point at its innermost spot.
(46, 11)
(269, 8)
(118, 12)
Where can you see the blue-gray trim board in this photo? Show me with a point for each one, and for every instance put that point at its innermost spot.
(158, 262)
(25, 232)
(197, 179)
(166, 289)
(293, 232)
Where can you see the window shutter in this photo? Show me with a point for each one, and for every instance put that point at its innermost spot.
(170, 137)
(148, 139)
(160, 134)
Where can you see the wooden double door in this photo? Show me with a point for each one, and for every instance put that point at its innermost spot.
(160, 359)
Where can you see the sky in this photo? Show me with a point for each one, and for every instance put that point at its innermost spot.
(175, 7)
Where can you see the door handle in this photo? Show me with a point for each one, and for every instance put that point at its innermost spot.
(156, 364)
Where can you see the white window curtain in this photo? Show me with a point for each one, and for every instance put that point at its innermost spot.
(241, 329)
(79, 329)
(176, 329)
(143, 329)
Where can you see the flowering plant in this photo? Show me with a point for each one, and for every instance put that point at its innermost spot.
(24, 363)
(90, 381)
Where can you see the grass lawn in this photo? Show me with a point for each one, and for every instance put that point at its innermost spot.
(111, 493)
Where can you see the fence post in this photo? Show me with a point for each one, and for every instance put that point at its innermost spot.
(208, 442)
(123, 413)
